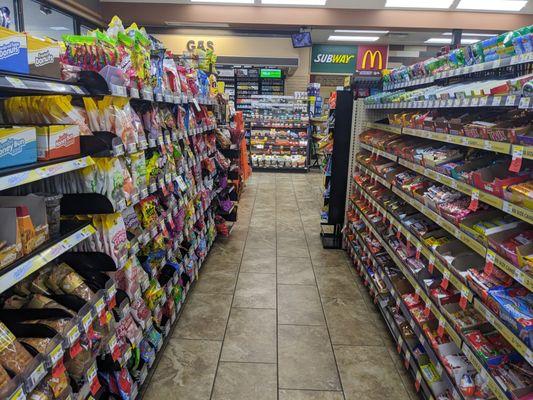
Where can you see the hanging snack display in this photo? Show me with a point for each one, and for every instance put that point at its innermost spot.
(109, 215)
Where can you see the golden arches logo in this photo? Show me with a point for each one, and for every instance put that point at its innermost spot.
(373, 55)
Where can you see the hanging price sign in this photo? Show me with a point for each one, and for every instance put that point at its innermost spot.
(431, 264)
(418, 380)
(399, 345)
(445, 279)
(418, 251)
(489, 262)
(474, 200)
(516, 162)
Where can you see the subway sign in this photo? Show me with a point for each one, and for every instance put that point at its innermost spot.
(333, 59)
(338, 59)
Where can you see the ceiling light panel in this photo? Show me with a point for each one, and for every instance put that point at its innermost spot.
(224, 1)
(472, 34)
(360, 31)
(295, 2)
(419, 3)
(338, 38)
(449, 41)
(492, 5)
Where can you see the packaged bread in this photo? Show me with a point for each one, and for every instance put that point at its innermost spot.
(4, 377)
(13, 356)
(63, 279)
(41, 302)
(39, 344)
(59, 325)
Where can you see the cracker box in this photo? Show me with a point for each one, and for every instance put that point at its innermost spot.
(18, 146)
(13, 51)
(57, 141)
(43, 57)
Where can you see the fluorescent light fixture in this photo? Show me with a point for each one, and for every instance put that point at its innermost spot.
(224, 1)
(360, 31)
(472, 34)
(338, 38)
(492, 5)
(295, 2)
(419, 3)
(469, 41)
(58, 28)
(449, 41)
(197, 24)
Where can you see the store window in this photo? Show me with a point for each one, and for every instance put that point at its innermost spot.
(84, 29)
(8, 14)
(43, 21)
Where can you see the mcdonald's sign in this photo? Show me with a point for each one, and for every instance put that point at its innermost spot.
(372, 58)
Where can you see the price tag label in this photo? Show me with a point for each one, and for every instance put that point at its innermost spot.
(474, 200)
(510, 100)
(474, 102)
(86, 321)
(399, 345)
(56, 354)
(496, 100)
(525, 102)
(489, 262)
(16, 82)
(418, 380)
(483, 101)
(445, 279)
(407, 360)
(134, 92)
(431, 264)
(516, 162)
(36, 376)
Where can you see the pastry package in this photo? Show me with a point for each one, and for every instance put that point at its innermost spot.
(13, 356)
(63, 279)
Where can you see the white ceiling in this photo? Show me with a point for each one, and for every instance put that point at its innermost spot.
(397, 37)
(348, 4)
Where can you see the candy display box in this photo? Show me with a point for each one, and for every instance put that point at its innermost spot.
(13, 51)
(18, 146)
(36, 207)
(516, 254)
(43, 57)
(496, 178)
(56, 141)
(10, 236)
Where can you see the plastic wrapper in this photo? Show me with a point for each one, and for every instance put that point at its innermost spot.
(63, 279)
(138, 170)
(4, 377)
(13, 356)
(39, 344)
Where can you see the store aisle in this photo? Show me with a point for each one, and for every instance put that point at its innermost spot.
(273, 315)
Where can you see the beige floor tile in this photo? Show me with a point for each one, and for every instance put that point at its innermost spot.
(204, 316)
(250, 336)
(295, 246)
(216, 282)
(305, 358)
(337, 282)
(285, 394)
(186, 370)
(260, 265)
(299, 305)
(245, 381)
(295, 271)
(255, 291)
(349, 322)
(367, 372)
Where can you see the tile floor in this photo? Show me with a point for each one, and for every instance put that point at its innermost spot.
(275, 316)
